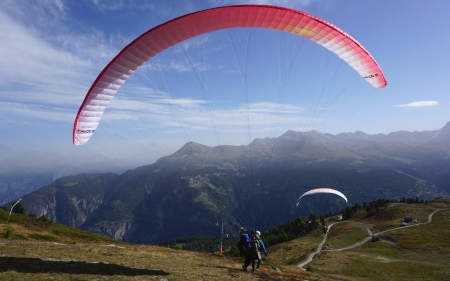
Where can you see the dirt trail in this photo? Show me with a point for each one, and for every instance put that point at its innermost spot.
(368, 231)
(319, 248)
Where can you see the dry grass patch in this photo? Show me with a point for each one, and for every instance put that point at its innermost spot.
(36, 260)
(346, 233)
(294, 251)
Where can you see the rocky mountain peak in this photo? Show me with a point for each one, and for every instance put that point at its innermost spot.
(446, 128)
(192, 148)
(443, 135)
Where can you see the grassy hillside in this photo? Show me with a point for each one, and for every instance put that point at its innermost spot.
(415, 252)
(31, 228)
(39, 250)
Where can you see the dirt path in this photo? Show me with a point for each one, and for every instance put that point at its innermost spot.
(368, 231)
(319, 248)
(430, 218)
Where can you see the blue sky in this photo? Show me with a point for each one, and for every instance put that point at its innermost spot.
(52, 51)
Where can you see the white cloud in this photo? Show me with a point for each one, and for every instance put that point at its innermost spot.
(36, 14)
(270, 107)
(285, 3)
(419, 104)
(38, 76)
(129, 6)
(35, 77)
(159, 105)
(178, 65)
(196, 114)
(14, 112)
(27, 58)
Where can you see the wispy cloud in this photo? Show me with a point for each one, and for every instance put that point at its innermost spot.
(37, 65)
(287, 3)
(45, 77)
(196, 113)
(178, 65)
(38, 15)
(419, 104)
(270, 107)
(36, 80)
(13, 113)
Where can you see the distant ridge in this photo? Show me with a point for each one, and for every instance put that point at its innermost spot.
(188, 192)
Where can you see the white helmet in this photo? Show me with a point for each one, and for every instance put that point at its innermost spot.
(258, 233)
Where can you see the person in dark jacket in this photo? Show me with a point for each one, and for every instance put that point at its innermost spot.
(255, 254)
(244, 247)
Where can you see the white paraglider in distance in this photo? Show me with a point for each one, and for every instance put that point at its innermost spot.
(322, 190)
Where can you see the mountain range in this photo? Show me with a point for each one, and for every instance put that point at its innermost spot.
(192, 191)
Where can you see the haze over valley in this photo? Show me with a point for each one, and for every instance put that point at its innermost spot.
(188, 192)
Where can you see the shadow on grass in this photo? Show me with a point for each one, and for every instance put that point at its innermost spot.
(217, 266)
(35, 265)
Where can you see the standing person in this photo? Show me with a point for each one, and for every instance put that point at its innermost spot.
(244, 247)
(325, 230)
(262, 247)
(255, 254)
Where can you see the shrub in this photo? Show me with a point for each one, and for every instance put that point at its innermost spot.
(9, 232)
(43, 218)
(19, 209)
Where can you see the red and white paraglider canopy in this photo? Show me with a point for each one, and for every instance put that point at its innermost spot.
(182, 28)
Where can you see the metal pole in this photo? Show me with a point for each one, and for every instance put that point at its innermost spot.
(221, 236)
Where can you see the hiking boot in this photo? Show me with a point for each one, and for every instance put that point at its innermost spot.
(244, 268)
(257, 270)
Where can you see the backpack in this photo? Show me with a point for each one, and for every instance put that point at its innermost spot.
(254, 246)
(242, 248)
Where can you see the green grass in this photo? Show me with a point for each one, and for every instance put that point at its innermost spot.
(76, 234)
(43, 237)
(416, 253)
(346, 233)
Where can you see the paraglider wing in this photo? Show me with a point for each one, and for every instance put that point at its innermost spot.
(177, 30)
(322, 190)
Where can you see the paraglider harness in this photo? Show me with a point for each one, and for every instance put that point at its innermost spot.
(254, 245)
(243, 249)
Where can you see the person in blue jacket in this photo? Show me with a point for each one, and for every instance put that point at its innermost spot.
(262, 248)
